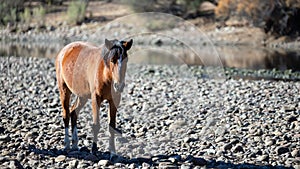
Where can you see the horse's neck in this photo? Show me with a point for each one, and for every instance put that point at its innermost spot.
(106, 75)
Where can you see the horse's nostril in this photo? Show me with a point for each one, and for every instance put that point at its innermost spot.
(122, 86)
(118, 87)
(115, 86)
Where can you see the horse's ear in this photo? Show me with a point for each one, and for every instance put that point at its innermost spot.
(128, 44)
(108, 44)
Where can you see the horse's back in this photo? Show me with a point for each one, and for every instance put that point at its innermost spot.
(71, 52)
(75, 64)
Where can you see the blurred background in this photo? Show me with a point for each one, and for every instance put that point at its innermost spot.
(249, 34)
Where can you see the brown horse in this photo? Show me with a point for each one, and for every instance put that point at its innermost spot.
(91, 72)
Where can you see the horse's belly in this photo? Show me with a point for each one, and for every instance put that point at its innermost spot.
(80, 84)
(80, 88)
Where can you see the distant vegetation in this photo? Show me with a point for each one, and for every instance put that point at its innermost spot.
(9, 11)
(22, 11)
(280, 17)
(13, 12)
(76, 11)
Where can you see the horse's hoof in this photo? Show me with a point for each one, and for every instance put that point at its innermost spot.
(114, 130)
(84, 149)
(66, 150)
(75, 148)
(94, 148)
(113, 156)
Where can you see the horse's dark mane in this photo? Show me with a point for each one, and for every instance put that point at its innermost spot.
(108, 54)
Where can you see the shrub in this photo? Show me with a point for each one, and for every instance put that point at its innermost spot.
(25, 16)
(9, 11)
(11, 17)
(39, 14)
(76, 11)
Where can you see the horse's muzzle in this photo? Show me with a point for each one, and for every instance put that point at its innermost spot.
(118, 87)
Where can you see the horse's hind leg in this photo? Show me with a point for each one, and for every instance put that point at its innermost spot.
(65, 94)
(77, 106)
(96, 101)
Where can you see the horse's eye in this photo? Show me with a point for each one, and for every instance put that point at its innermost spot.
(114, 59)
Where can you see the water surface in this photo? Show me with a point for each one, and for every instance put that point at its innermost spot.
(228, 56)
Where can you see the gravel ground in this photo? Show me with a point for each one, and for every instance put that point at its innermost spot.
(169, 117)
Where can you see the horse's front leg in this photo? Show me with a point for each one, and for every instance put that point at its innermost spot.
(112, 143)
(113, 104)
(96, 101)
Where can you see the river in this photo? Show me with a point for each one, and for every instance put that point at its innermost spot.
(228, 56)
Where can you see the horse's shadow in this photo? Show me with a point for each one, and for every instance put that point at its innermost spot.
(112, 157)
(84, 153)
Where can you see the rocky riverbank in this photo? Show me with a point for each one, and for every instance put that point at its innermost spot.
(169, 117)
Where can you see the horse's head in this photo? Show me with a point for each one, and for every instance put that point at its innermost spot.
(116, 60)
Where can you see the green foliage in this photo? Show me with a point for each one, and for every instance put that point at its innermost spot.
(9, 11)
(25, 16)
(39, 14)
(76, 11)
(11, 17)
